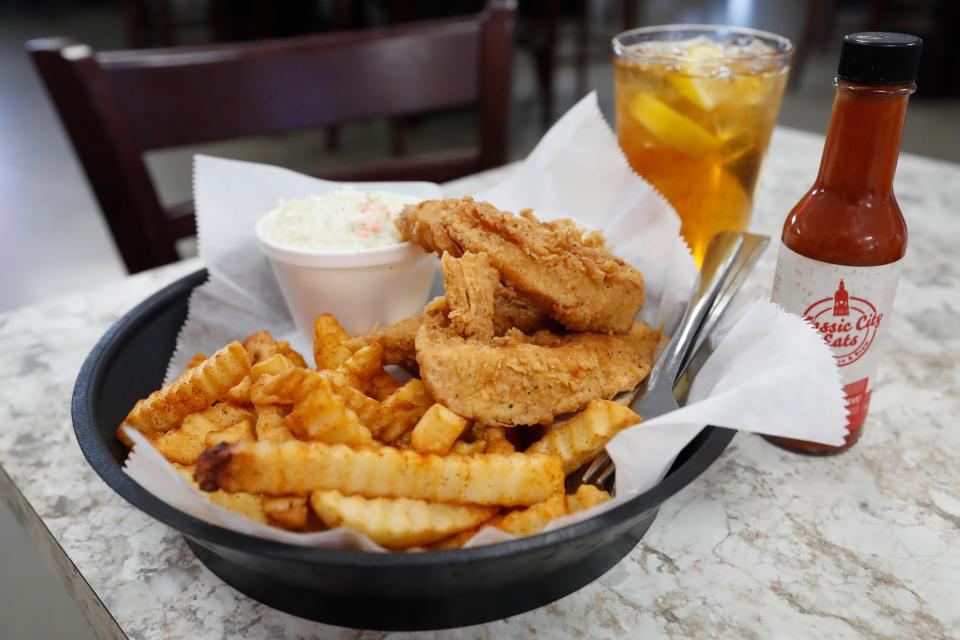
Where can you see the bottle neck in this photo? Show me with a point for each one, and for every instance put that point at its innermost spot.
(863, 139)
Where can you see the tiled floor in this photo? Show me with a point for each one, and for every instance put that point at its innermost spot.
(52, 238)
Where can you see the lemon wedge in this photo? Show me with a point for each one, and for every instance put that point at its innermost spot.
(691, 83)
(708, 91)
(671, 127)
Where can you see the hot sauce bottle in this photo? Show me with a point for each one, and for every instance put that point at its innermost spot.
(843, 244)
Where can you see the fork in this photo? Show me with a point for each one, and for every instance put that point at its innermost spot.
(729, 259)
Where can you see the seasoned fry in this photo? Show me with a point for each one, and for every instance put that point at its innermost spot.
(245, 504)
(402, 410)
(461, 448)
(584, 436)
(185, 443)
(381, 385)
(586, 497)
(239, 394)
(396, 522)
(525, 522)
(269, 425)
(291, 354)
(329, 340)
(240, 432)
(297, 468)
(195, 390)
(260, 346)
(197, 359)
(285, 387)
(365, 362)
(396, 341)
(271, 366)
(322, 416)
(286, 512)
(437, 430)
(496, 440)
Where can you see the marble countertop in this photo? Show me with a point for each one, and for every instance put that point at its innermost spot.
(764, 544)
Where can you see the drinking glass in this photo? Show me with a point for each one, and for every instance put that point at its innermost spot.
(696, 105)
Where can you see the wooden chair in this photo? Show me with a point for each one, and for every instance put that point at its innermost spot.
(117, 105)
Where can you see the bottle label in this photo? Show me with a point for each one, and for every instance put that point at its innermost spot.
(850, 307)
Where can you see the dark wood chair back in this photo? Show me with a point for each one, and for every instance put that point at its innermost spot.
(117, 105)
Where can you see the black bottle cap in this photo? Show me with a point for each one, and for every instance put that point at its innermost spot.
(878, 57)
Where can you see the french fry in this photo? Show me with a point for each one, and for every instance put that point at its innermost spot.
(365, 362)
(462, 448)
(437, 430)
(586, 497)
(269, 425)
(403, 409)
(271, 366)
(329, 338)
(291, 354)
(245, 504)
(584, 436)
(525, 522)
(285, 387)
(195, 390)
(260, 346)
(197, 359)
(323, 416)
(185, 443)
(370, 412)
(239, 394)
(240, 432)
(381, 385)
(396, 522)
(496, 440)
(286, 512)
(297, 468)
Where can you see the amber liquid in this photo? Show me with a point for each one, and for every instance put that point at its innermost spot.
(850, 215)
(699, 138)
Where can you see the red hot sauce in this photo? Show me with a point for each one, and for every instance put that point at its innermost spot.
(843, 244)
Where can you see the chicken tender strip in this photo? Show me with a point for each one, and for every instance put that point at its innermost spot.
(470, 284)
(580, 284)
(297, 468)
(518, 379)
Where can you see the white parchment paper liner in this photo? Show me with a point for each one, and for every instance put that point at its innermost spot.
(769, 372)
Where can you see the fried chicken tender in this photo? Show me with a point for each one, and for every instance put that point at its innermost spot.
(517, 379)
(569, 275)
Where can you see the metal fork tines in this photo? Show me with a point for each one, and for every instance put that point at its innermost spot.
(729, 259)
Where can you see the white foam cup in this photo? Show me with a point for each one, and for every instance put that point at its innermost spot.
(363, 289)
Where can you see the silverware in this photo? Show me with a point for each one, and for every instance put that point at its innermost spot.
(730, 257)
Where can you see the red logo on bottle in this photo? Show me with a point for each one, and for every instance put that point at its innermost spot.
(847, 324)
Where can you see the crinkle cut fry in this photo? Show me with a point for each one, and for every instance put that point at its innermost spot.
(195, 390)
(397, 522)
(583, 437)
(586, 288)
(297, 468)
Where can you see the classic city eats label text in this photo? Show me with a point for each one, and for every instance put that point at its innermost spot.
(848, 306)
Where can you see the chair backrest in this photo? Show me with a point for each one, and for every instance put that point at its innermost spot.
(117, 105)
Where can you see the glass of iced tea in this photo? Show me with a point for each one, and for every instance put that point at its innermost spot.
(695, 109)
